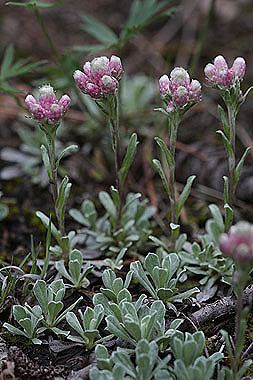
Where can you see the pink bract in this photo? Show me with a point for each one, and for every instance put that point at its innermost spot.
(47, 109)
(238, 242)
(220, 75)
(178, 89)
(99, 77)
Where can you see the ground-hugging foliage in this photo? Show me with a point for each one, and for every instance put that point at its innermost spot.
(108, 280)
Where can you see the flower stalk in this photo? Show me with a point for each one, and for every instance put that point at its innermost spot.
(48, 111)
(179, 94)
(238, 244)
(51, 136)
(113, 119)
(114, 128)
(238, 318)
(228, 82)
(231, 159)
(173, 124)
(100, 79)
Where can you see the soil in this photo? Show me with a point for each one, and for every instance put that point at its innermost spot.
(199, 151)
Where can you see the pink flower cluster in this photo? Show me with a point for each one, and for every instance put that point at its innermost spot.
(48, 109)
(238, 242)
(219, 74)
(99, 77)
(179, 90)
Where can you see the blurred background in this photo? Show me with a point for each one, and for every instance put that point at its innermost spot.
(45, 41)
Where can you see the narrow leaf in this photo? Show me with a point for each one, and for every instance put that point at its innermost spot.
(99, 30)
(46, 161)
(227, 144)
(66, 152)
(167, 154)
(45, 220)
(184, 195)
(229, 214)
(224, 121)
(129, 157)
(159, 169)
(239, 166)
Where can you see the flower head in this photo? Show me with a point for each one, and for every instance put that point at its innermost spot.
(179, 76)
(47, 109)
(99, 77)
(238, 243)
(164, 86)
(178, 90)
(239, 68)
(99, 67)
(220, 75)
(115, 67)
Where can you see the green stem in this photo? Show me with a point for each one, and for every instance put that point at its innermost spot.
(114, 126)
(47, 35)
(238, 316)
(173, 127)
(231, 159)
(115, 148)
(54, 179)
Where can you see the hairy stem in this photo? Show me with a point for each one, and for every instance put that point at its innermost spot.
(242, 278)
(46, 34)
(54, 180)
(239, 306)
(115, 148)
(114, 126)
(173, 127)
(231, 159)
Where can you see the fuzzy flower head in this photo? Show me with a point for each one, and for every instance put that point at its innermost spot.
(178, 90)
(47, 109)
(238, 243)
(218, 73)
(100, 77)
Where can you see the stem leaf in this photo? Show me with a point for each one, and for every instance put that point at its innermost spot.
(247, 93)
(47, 250)
(67, 151)
(115, 196)
(158, 167)
(229, 214)
(184, 195)
(63, 194)
(167, 154)
(46, 162)
(225, 191)
(227, 143)
(239, 167)
(129, 157)
(224, 120)
(45, 220)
